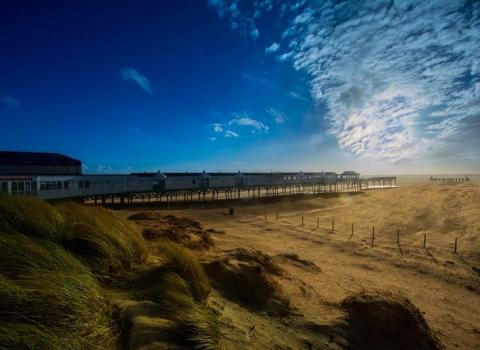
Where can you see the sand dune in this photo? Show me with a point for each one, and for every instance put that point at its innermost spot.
(321, 268)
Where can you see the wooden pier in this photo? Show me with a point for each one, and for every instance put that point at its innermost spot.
(244, 192)
(450, 179)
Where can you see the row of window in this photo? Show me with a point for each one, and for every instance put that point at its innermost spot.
(58, 185)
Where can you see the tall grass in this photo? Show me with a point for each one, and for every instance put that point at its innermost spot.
(197, 322)
(53, 259)
(29, 215)
(102, 239)
(185, 264)
(48, 298)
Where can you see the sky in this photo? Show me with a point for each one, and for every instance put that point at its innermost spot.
(381, 87)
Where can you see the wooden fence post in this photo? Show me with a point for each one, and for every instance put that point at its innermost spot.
(302, 220)
(455, 248)
(265, 213)
(373, 235)
(352, 228)
(424, 240)
(398, 237)
(333, 225)
(277, 215)
(318, 222)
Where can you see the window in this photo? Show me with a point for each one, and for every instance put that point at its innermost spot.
(14, 187)
(87, 184)
(80, 184)
(50, 185)
(4, 187)
(66, 184)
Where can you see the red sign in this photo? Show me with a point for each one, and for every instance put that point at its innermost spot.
(16, 178)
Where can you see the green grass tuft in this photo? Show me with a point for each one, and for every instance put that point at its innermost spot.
(197, 322)
(186, 265)
(101, 238)
(48, 297)
(29, 215)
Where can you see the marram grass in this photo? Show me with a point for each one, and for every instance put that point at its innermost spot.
(47, 296)
(53, 260)
(105, 241)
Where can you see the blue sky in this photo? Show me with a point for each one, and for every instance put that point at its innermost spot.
(225, 85)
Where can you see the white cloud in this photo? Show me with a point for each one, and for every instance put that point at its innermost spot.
(10, 101)
(217, 127)
(230, 129)
(278, 117)
(230, 133)
(397, 79)
(131, 74)
(273, 48)
(245, 120)
(212, 138)
(254, 33)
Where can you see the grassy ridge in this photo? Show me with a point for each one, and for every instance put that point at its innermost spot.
(103, 240)
(53, 262)
(182, 287)
(47, 296)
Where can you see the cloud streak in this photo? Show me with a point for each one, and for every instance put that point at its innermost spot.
(131, 74)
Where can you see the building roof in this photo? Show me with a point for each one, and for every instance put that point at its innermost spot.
(350, 172)
(36, 158)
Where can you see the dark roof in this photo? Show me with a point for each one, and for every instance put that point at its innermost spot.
(350, 172)
(36, 158)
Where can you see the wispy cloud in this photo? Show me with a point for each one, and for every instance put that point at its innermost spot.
(131, 74)
(297, 96)
(253, 124)
(217, 127)
(239, 15)
(278, 117)
(398, 80)
(11, 102)
(230, 133)
(254, 33)
(237, 122)
(134, 130)
(273, 48)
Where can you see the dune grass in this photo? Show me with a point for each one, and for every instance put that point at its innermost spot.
(102, 239)
(54, 259)
(197, 322)
(31, 216)
(186, 265)
(48, 298)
